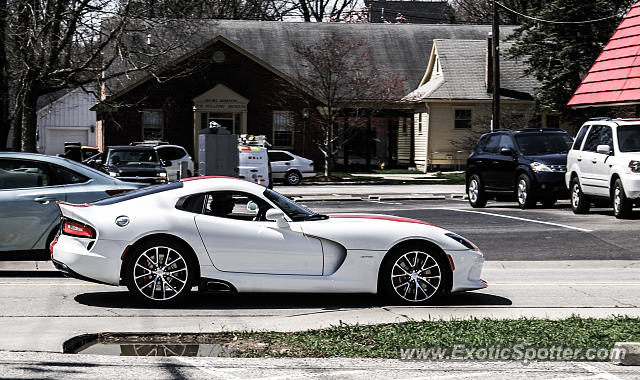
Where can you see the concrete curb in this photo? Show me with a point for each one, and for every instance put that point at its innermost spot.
(626, 353)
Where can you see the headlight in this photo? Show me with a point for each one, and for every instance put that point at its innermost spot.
(113, 174)
(162, 174)
(634, 166)
(540, 167)
(463, 241)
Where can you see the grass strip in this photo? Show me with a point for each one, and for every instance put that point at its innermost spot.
(383, 341)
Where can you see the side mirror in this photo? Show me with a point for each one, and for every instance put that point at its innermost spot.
(604, 149)
(166, 163)
(252, 206)
(278, 216)
(507, 151)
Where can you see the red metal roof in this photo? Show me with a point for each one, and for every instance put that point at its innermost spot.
(614, 79)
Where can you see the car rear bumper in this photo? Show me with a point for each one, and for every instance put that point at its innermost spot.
(71, 257)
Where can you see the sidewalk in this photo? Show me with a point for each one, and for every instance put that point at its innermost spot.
(377, 192)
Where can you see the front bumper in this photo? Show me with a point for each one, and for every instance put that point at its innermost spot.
(631, 184)
(468, 269)
(550, 182)
(152, 180)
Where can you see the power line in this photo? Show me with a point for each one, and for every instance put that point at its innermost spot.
(551, 21)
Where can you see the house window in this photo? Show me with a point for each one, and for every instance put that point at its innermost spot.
(152, 125)
(283, 129)
(462, 119)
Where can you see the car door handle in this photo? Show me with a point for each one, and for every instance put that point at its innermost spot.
(286, 163)
(595, 162)
(579, 159)
(43, 200)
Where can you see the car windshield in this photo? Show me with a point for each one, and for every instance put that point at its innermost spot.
(292, 209)
(629, 138)
(133, 157)
(544, 143)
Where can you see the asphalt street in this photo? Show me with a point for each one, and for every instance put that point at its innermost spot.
(541, 263)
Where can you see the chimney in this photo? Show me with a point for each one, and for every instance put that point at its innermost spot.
(488, 73)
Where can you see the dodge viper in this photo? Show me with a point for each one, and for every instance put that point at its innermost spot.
(228, 235)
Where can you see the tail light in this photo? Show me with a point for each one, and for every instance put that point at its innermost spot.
(73, 228)
(117, 191)
(53, 243)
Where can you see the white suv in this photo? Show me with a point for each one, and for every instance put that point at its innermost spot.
(604, 162)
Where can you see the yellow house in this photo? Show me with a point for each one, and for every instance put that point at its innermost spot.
(453, 104)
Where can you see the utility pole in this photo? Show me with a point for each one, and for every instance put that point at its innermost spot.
(495, 42)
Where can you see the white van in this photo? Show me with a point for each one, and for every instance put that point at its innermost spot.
(253, 165)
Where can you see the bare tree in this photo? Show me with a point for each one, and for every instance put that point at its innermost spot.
(337, 75)
(323, 10)
(480, 11)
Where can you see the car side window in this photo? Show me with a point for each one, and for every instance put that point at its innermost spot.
(593, 138)
(492, 144)
(17, 174)
(69, 177)
(606, 137)
(279, 156)
(481, 144)
(226, 204)
(171, 153)
(505, 142)
(579, 137)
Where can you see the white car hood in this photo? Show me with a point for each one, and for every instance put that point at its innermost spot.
(376, 232)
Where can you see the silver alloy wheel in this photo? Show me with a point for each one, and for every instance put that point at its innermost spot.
(473, 190)
(416, 276)
(160, 273)
(617, 199)
(575, 196)
(522, 191)
(293, 178)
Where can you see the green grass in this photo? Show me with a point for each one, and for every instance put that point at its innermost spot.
(383, 341)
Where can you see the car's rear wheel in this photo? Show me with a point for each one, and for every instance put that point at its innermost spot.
(524, 192)
(475, 192)
(414, 275)
(622, 206)
(579, 201)
(160, 272)
(293, 177)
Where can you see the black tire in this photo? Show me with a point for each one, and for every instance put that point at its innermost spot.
(475, 192)
(580, 203)
(549, 202)
(524, 192)
(622, 206)
(293, 178)
(176, 272)
(423, 269)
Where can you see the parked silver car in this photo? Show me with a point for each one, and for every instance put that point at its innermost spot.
(30, 185)
(289, 167)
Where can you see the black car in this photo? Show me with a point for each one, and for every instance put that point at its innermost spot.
(131, 163)
(528, 164)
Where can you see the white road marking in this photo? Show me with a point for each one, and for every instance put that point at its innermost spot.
(564, 284)
(204, 367)
(518, 218)
(599, 373)
(49, 284)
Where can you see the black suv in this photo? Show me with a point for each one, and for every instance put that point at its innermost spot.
(131, 163)
(527, 164)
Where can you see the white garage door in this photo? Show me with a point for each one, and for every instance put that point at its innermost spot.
(56, 137)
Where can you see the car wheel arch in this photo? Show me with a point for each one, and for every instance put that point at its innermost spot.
(612, 181)
(520, 171)
(405, 244)
(163, 236)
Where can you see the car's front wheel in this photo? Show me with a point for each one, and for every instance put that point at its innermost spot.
(293, 178)
(414, 275)
(622, 206)
(524, 192)
(160, 272)
(579, 201)
(475, 192)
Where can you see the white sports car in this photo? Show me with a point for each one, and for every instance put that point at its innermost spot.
(228, 235)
